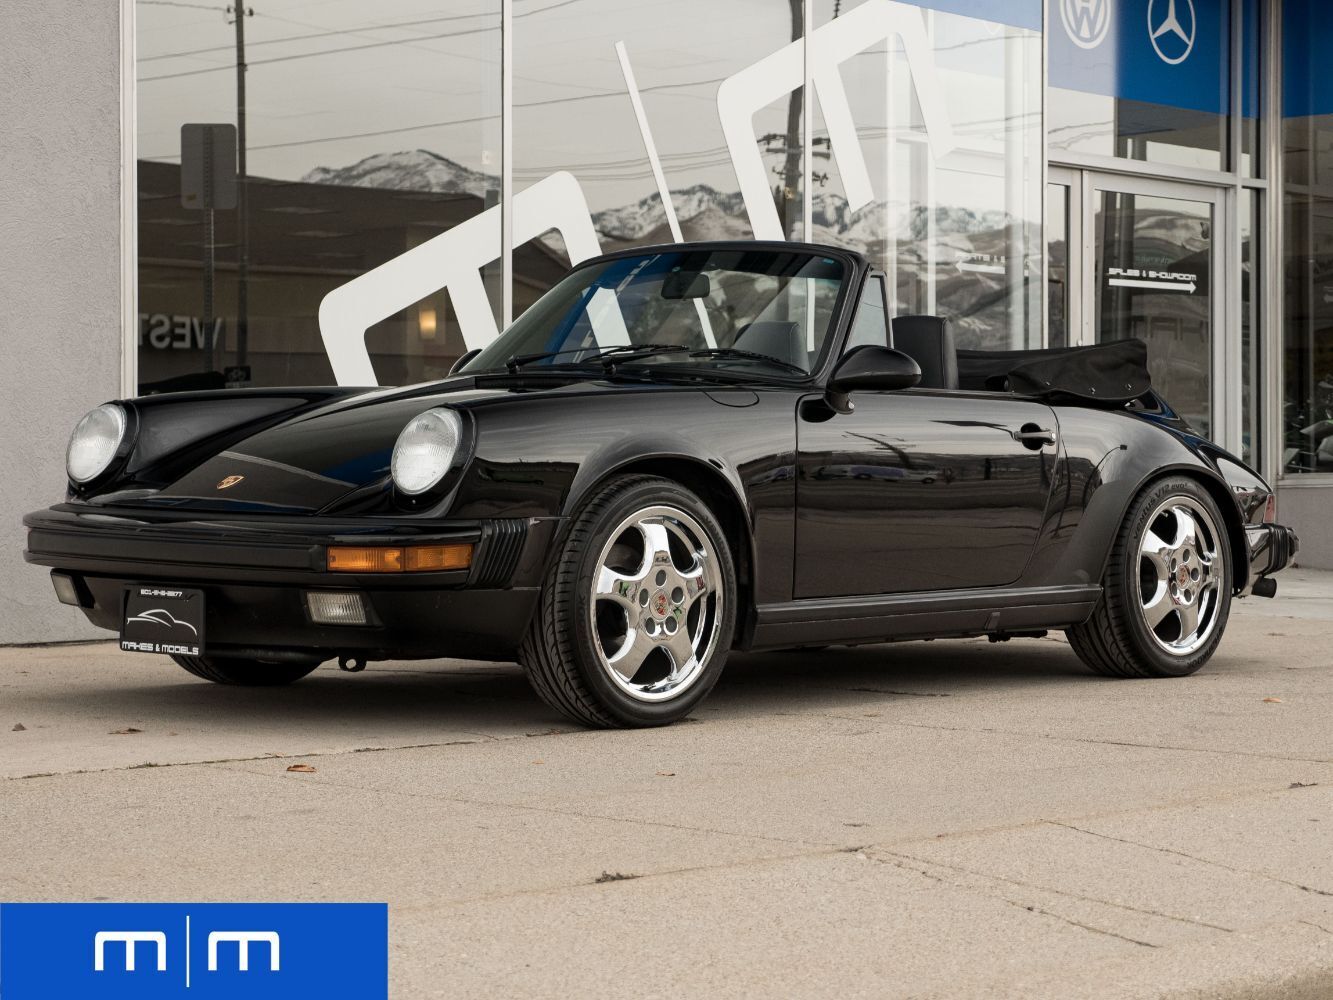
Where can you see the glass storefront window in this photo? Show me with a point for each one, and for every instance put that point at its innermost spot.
(1307, 253)
(1251, 368)
(573, 114)
(1155, 267)
(1058, 289)
(369, 130)
(365, 241)
(943, 187)
(1253, 38)
(1141, 79)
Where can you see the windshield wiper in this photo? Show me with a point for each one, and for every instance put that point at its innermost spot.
(609, 357)
(736, 352)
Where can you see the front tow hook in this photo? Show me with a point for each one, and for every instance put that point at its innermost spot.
(1265, 586)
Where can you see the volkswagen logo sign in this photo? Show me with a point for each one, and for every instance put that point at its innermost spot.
(1171, 29)
(1086, 21)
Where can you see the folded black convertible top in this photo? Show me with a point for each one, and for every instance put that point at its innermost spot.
(1108, 374)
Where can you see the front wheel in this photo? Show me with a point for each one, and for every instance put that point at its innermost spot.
(637, 610)
(1166, 594)
(244, 672)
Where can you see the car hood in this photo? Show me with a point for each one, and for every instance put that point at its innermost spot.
(340, 451)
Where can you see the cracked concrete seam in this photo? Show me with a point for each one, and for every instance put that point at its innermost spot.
(901, 862)
(1051, 889)
(317, 754)
(1203, 861)
(1088, 740)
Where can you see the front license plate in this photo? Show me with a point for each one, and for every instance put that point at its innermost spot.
(163, 620)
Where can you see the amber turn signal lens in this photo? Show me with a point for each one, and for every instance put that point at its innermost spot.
(407, 559)
(425, 558)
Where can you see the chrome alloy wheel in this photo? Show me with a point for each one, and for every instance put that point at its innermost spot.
(656, 603)
(1180, 573)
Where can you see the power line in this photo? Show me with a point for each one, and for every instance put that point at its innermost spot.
(180, 3)
(306, 37)
(348, 48)
(479, 118)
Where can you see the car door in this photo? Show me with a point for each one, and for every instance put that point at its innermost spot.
(919, 490)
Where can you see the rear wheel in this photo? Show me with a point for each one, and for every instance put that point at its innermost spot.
(638, 609)
(243, 672)
(1166, 594)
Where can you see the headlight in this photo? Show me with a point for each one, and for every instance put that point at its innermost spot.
(425, 450)
(94, 442)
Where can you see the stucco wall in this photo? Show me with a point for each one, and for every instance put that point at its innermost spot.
(60, 273)
(1309, 509)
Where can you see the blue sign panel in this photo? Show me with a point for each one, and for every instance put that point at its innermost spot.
(147, 951)
(1173, 53)
(1307, 31)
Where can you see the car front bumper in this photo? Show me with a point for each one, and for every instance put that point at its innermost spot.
(1273, 548)
(256, 572)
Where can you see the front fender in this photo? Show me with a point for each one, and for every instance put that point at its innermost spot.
(643, 451)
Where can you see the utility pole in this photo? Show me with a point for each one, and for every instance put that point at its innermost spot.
(789, 208)
(239, 13)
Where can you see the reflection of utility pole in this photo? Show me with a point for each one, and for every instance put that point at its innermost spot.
(789, 208)
(239, 13)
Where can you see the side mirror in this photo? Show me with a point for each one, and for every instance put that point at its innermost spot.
(462, 361)
(870, 367)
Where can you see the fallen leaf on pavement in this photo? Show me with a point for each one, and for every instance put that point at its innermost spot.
(539, 762)
(613, 877)
(1303, 784)
(128, 730)
(1273, 701)
(302, 769)
(19, 728)
(666, 774)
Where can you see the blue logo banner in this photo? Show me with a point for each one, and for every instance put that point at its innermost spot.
(1307, 33)
(147, 951)
(1174, 53)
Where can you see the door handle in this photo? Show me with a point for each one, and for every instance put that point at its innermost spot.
(1034, 437)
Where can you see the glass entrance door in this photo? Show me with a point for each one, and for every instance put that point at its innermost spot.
(1141, 260)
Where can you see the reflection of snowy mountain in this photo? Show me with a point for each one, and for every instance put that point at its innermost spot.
(704, 212)
(415, 170)
(698, 207)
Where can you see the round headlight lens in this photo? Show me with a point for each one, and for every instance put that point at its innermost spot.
(94, 442)
(425, 450)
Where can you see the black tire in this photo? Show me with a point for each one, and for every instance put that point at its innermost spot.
(558, 654)
(1118, 640)
(245, 673)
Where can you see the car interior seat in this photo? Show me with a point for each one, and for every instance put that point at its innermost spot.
(777, 338)
(929, 342)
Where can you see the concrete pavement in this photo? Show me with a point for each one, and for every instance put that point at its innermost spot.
(947, 819)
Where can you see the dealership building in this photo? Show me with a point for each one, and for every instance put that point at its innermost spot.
(296, 192)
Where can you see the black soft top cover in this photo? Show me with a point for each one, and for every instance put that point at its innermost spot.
(1109, 374)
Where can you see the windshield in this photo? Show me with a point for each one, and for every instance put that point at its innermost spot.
(762, 309)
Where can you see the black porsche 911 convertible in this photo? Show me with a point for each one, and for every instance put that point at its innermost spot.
(676, 452)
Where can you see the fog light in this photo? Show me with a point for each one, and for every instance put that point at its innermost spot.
(67, 591)
(336, 607)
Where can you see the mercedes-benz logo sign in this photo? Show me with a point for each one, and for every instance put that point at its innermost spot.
(1171, 28)
(1086, 21)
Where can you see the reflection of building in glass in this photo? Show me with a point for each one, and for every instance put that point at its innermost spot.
(352, 163)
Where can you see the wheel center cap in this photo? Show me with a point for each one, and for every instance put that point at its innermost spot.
(1182, 576)
(659, 604)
